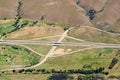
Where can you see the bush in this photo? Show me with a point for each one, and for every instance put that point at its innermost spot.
(113, 62)
(90, 77)
(60, 77)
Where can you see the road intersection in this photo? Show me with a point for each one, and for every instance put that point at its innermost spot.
(87, 44)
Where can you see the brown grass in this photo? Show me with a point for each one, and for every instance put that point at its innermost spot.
(35, 32)
(87, 31)
(111, 12)
(62, 11)
(6, 21)
(93, 4)
(94, 35)
(58, 11)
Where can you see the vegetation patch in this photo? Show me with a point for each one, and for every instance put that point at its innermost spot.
(40, 49)
(15, 55)
(5, 28)
(86, 60)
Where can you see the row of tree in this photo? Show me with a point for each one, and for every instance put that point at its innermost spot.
(53, 71)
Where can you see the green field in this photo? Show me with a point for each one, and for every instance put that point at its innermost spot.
(40, 49)
(24, 77)
(95, 58)
(6, 28)
(15, 55)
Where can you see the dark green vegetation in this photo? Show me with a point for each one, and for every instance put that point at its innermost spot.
(113, 63)
(61, 74)
(60, 77)
(16, 56)
(19, 15)
(70, 71)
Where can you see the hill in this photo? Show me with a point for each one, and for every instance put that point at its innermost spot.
(65, 11)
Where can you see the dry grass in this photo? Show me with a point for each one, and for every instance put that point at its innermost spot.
(8, 8)
(116, 27)
(93, 4)
(94, 35)
(110, 14)
(24, 77)
(6, 21)
(62, 11)
(58, 11)
(84, 30)
(35, 32)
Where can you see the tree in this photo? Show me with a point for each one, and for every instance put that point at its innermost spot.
(60, 76)
(42, 18)
(14, 71)
(19, 15)
(80, 77)
(21, 71)
(91, 14)
(113, 62)
(77, 2)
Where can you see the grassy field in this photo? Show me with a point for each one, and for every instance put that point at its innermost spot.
(40, 49)
(95, 58)
(5, 28)
(15, 55)
(24, 77)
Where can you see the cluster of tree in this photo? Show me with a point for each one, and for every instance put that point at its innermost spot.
(33, 23)
(53, 71)
(60, 76)
(65, 74)
(18, 23)
(79, 71)
(113, 63)
(24, 23)
(3, 34)
(91, 14)
(18, 16)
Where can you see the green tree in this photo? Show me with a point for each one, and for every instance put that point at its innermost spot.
(60, 76)
(113, 62)
(19, 15)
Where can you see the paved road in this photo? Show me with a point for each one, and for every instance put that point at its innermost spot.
(59, 43)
